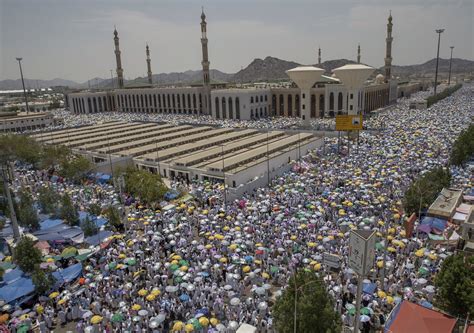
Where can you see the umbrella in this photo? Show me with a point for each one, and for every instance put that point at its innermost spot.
(153, 324)
(160, 318)
(235, 301)
(171, 289)
(204, 321)
(262, 306)
(96, 319)
(87, 314)
(364, 318)
(117, 317)
(143, 313)
(136, 307)
(184, 297)
(260, 291)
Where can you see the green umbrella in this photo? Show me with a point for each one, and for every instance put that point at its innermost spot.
(365, 311)
(379, 246)
(197, 325)
(178, 279)
(352, 311)
(84, 256)
(183, 262)
(117, 317)
(174, 267)
(23, 328)
(423, 271)
(131, 261)
(274, 269)
(113, 265)
(69, 252)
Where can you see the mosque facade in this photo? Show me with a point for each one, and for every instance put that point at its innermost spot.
(328, 98)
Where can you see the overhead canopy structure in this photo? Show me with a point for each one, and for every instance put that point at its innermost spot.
(411, 317)
(353, 76)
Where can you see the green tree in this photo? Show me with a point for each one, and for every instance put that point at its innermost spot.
(75, 168)
(68, 212)
(113, 216)
(26, 255)
(147, 186)
(463, 148)
(89, 227)
(53, 156)
(27, 212)
(42, 280)
(424, 190)
(95, 209)
(454, 285)
(314, 307)
(48, 200)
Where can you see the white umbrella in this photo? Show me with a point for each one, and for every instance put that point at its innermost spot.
(262, 306)
(260, 291)
(235, 301)
(143, 313)
(171, 289)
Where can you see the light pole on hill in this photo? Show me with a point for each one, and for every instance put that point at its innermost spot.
(439, 32)
(450, 63)
(23, 84)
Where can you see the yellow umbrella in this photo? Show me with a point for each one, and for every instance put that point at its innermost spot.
(62, 301)
(226, 228)
(204, 321)
(174, 262)
(214, 321)
(379, 234)
(39, 309)
(293, 237)
(49, 260)
(340, 234)
(205, 211)
(246, 269)
(208, 246)
(232, 246)
(258, 244)
(312, 263)
(136, 307)
(53, 295)
(156, 292)
(311, 244)
(142, 292)
(265, 275)
(389, 237)
(390, 299)
(391, 230)
(176, 257)
(183, 268)
(391, 249)
(189, 328)
(223, 259)
(151, 297)
(420, 253)
(211, 238)
(381, 294)
(122, 256)
(317, 267)
(380, 263)
(24, 317)
(432, 256)
(403, 233)
(257, 262)
(178, 326)
(237, 228)
(96, 319)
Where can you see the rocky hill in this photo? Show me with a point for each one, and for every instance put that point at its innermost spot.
(268, 69)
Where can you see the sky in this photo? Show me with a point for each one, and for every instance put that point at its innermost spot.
(73, 39)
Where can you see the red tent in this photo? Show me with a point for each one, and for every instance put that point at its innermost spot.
(411, 317)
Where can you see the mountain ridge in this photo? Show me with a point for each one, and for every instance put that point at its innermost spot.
(267, 69)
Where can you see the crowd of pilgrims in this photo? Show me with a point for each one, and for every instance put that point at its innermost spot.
(208, 266)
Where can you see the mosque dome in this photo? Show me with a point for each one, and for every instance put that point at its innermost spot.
(379, 78)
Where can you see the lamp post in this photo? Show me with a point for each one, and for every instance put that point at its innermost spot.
(439, 32)
(223, 172)
(268, 160)
(23, 84)
(450, 63)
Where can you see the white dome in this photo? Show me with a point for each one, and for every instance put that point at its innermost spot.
(379, 78)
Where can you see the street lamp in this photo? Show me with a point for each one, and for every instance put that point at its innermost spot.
(439, 32)
(23, 83)
(450, 63)
(223, 172)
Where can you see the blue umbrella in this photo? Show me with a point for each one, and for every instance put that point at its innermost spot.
(204, 311)
(204, 274)
(184, 297)
(248, 258)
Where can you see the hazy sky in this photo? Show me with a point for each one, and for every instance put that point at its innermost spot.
(73, 39)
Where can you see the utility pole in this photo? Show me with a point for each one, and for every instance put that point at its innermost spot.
(223, 171)
(439, 32)
(450, 63)
(268, 160)
(23, 84)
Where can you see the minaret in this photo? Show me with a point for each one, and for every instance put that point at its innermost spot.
(358, 54)
(205, 63)
(319, 56)
(118, 59)
(148, 64)
(388, 51)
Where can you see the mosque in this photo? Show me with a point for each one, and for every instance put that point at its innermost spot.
(328, 97)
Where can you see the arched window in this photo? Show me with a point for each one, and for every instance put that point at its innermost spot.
(100, 104)
(321, 105)
(217, 108)
(194, 102)
(331, 101)
(290, 105)
(274, 102)
(265, 111)
(173, 98)
(200, 105)
(261, 111)
(134, 102)
(183, 99)
(251, 114)
(105, 103)
(189, 103)
(224, 109)
(237, 108)
(154, 101)
(282, 107)
(297, 105)
(231, 109)
(251, 99)
(339, 102)
(94, 100)
(313, 106)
